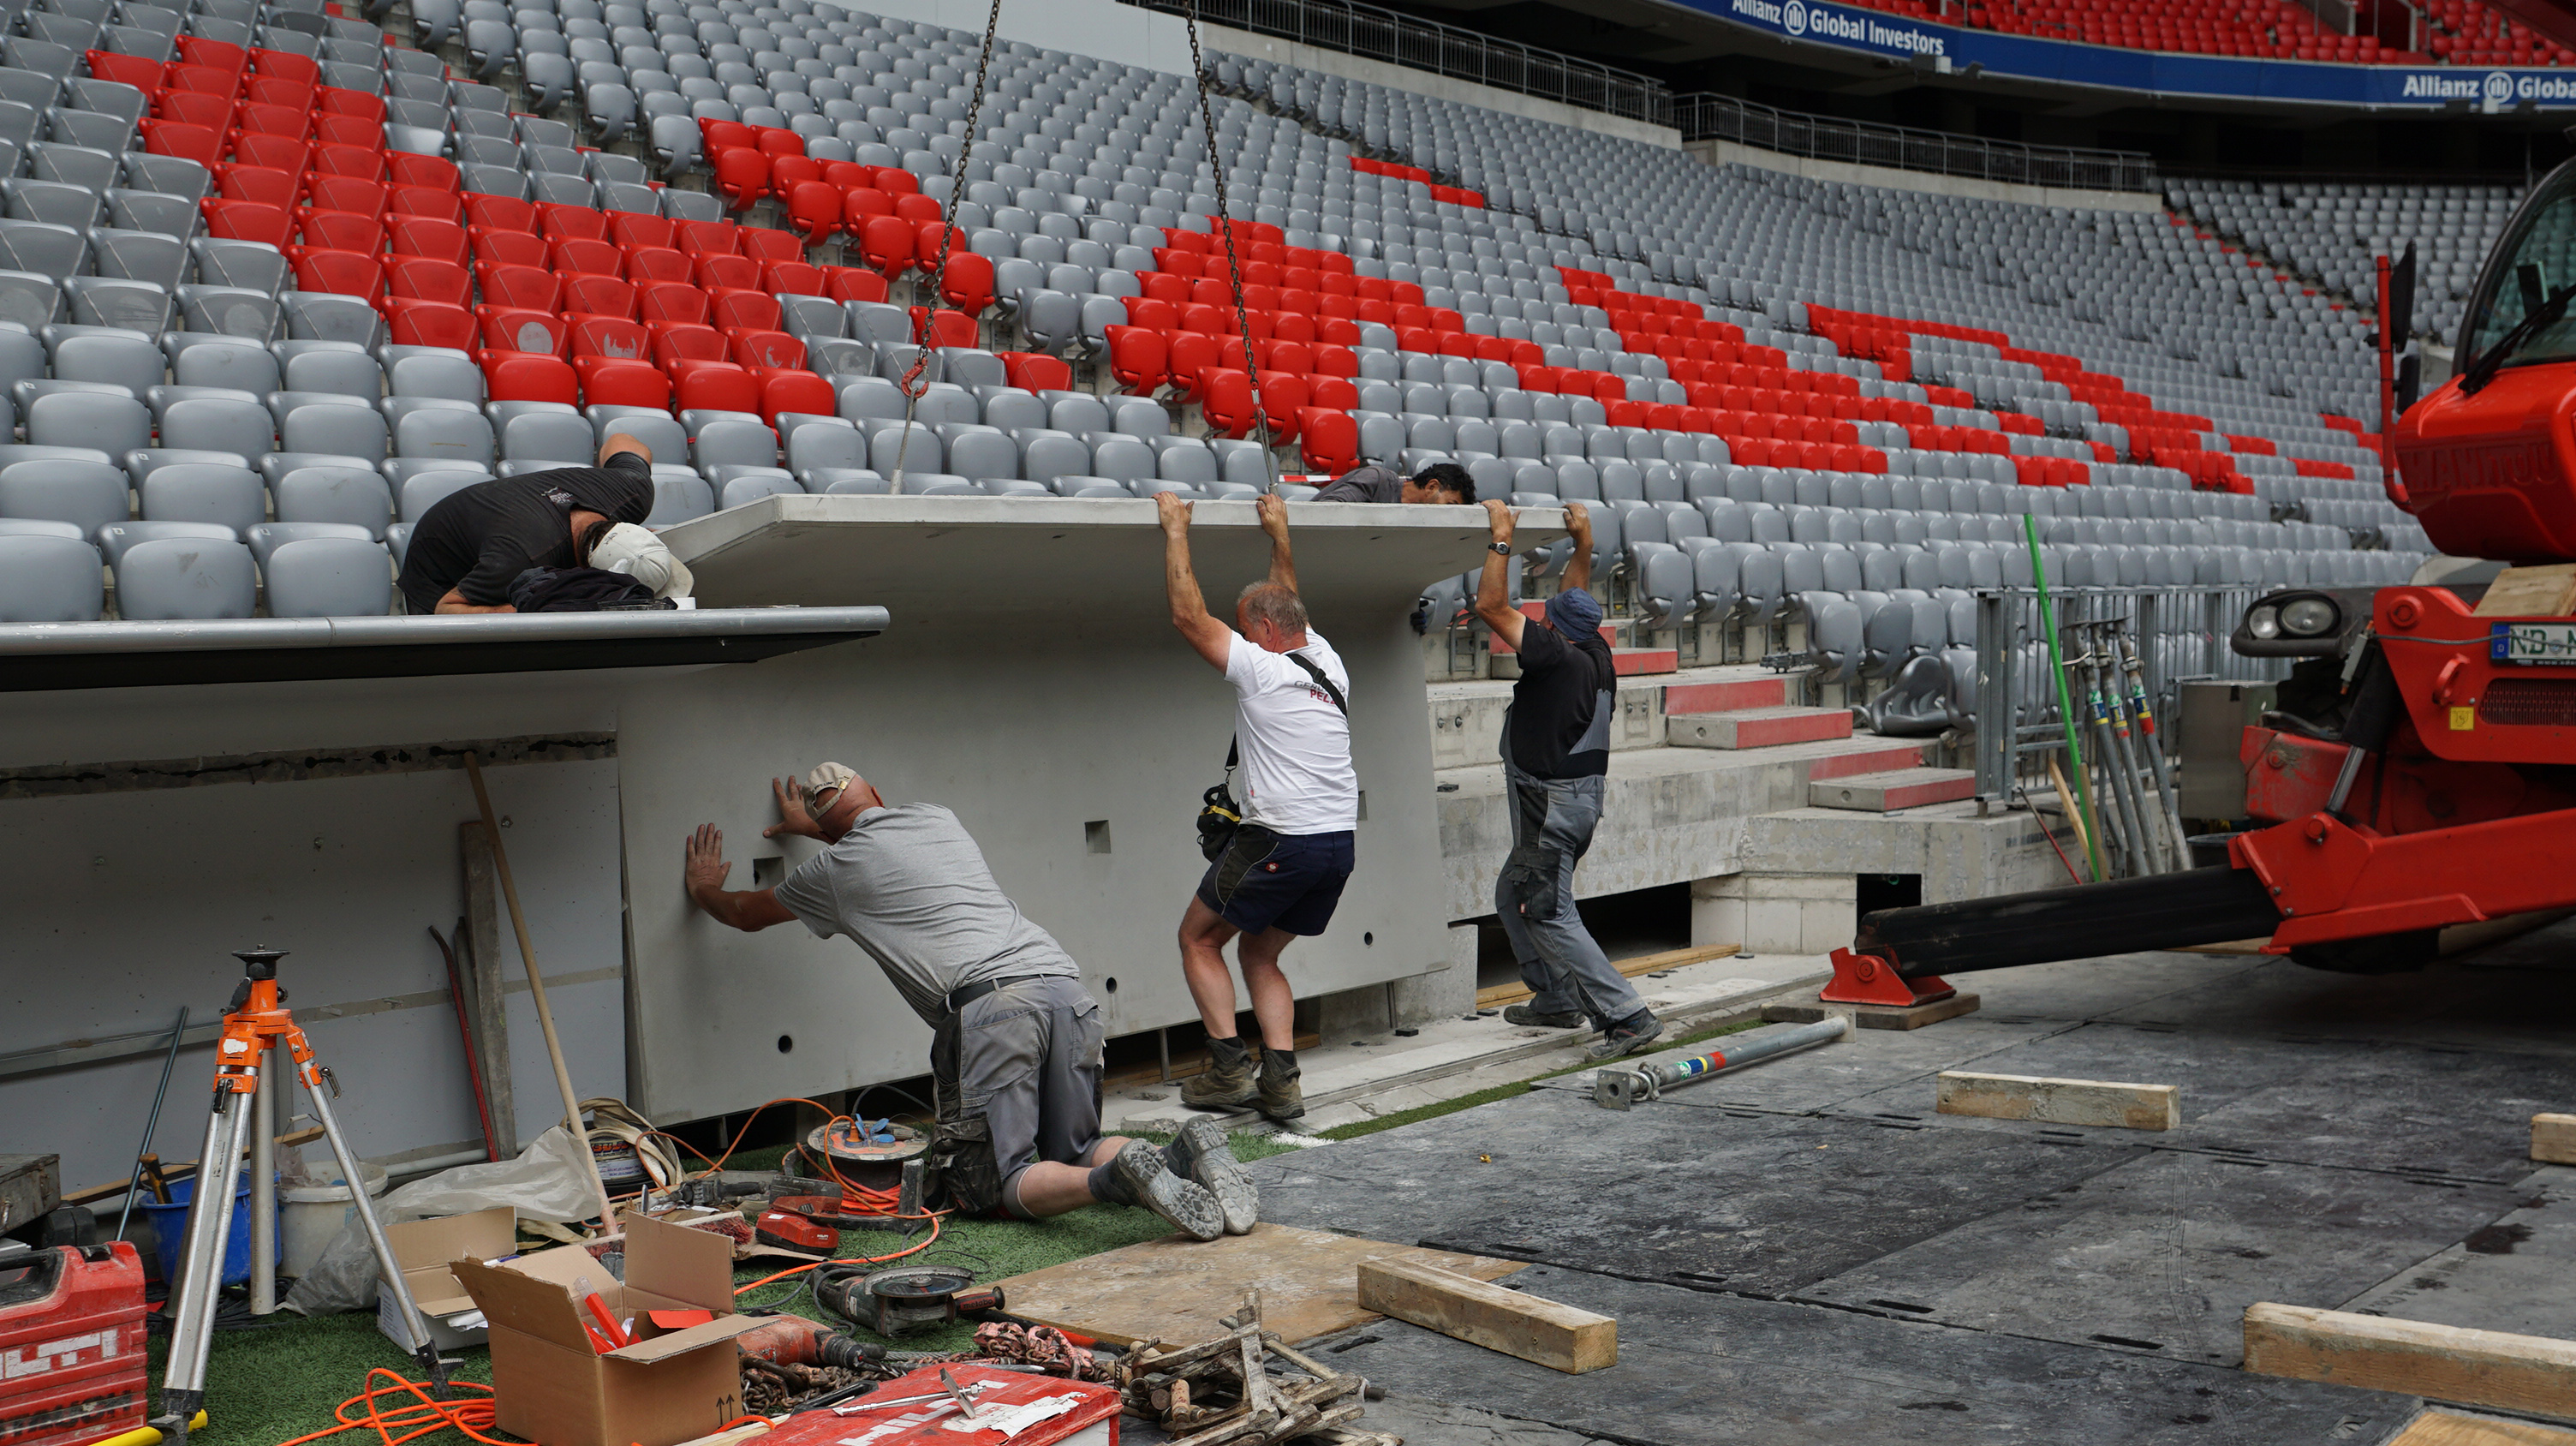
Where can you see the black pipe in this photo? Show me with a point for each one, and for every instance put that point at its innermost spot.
(2160, 911)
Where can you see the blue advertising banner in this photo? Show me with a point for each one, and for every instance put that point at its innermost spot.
(2218, 77)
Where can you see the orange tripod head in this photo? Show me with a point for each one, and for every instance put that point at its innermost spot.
(256, 1020)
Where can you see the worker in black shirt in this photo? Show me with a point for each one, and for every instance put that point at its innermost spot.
(1439, 483)
(1556, 752)
(472, 543)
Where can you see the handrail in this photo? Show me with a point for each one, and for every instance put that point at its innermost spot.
(1703, 116)
(1355, 28)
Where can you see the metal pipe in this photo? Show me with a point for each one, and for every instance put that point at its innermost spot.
(2114, 813)
(1616, 1087)
(152, 1124)
(2106, 682)
(259, 634)
(263, 1187)
(2065, 704)
(318, 1084)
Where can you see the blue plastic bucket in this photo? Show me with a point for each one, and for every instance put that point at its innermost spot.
(170, 1231)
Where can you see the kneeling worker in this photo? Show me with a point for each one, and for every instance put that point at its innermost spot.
(474, 542)
(1015, 1051)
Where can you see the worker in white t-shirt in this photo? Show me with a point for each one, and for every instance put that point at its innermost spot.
(1281, 873)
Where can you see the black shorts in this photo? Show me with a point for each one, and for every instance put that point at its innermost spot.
(1270, 880)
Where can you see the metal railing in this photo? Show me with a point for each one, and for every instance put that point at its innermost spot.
(1701, 116)
(1417, 44)
(2178, 632)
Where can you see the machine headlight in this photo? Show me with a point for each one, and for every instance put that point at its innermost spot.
(2308, 617)
(2264, 622)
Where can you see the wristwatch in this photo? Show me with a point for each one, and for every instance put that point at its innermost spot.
(1504, 548)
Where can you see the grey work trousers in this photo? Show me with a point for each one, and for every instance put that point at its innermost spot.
(1552, 823)
(1015, 1078)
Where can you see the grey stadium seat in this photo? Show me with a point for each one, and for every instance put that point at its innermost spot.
(321, 577)
(185, 578)
(45, 579)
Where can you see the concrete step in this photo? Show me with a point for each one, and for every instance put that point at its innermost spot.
(1730, 695)
(1867, 755)
(1758, 727)
(1896, 789)
(1638, 662)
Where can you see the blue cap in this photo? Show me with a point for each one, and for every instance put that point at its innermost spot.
(1575, 614)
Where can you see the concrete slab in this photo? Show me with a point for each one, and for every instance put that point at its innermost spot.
(2509, 1274)
(1775, 1203)
(1712, 1367)
(1758, 727)
(2521, 996)
(2164, 1253)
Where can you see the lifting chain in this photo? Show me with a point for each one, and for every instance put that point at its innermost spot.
(1225, 229)
(913, 384)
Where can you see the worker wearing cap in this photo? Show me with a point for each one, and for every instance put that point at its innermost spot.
(1015, 1052)
(1441, 482)
(474, 542)
(1556, 753)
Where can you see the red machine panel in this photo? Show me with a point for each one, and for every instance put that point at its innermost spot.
(71, 1345)
(2494, 474)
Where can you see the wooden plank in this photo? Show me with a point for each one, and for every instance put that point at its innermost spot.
(2443, 1363)
(1502, 994)
(2530, 592)
(485, 992)
(2449, 1428)
(30, 1185)
(1873, 1016)
(2553, 1139)
(182, 1170)
(1545, 1332)
(1179, 1290)
(2060, 1101)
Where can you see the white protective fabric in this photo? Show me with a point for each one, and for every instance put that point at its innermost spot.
(551, 1180)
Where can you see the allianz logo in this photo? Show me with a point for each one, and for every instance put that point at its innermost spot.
(2496, 87)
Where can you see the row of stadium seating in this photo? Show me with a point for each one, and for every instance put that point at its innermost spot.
(2331, 232)
(2456, 32)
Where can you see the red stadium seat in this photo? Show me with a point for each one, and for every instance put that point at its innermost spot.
(616, 338)
(428, 278)
(144, 75)
(266, 185)
(615, 382)
(765, 350)
(518, 286)
(507, 248)
(525, 377)
(714, 386)
(342, 273)
(913, 206)
(1137, 358)
(793, 391)
(429, 323)
(425, 201)
(678, 341)
(428, 236)
(853, 283)
(742, 309)
(346, 130)
(290, 154)
(284, 121)
(763, 244)
(1225, 400)
(733, 271)
(942, 328)
(517, 329)
(670, 301)
(560, 223)
(779, 141)
(1332, 392)
(247, 221)
(1036, 372)
(885, 244)
(202, 144)
(791, 278)
(655, 263)
(341, 231)
(196, 108)
(599, 295)
(1193, 356)
(697, 238)
(814, 208)
(333, 100)
(501, 213)
(786, 173)
(344, 193)
(405, 169)
(356, 161)
(628, 230)
(741, 176)
(1328, 440)
(580, 254)
(967, 282)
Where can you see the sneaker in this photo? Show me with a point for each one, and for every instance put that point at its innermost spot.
(1629, 1036)
(1525, 1014)
(1151, 1184)
(1226, 1084)
(1281, 1098)
(1201, 1153)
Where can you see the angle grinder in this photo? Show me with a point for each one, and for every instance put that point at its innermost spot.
(899, 1301)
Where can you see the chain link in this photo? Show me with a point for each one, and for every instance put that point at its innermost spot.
(1225, 229)
(912, 384)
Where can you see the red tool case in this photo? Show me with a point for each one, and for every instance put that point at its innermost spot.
(71, 1345)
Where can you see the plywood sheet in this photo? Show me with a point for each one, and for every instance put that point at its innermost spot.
(1178, 1289)
(2445, 1428)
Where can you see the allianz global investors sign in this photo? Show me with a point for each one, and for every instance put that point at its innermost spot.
(1802, 21)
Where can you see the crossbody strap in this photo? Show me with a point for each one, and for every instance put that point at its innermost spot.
(1234, 748)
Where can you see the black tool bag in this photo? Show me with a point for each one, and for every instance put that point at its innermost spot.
(581, 590)
(1219, 814)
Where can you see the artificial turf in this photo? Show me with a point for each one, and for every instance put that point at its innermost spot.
(284, 1380)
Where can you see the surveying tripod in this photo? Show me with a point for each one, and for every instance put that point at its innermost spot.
(256, 1023)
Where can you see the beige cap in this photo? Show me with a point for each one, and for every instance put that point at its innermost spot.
(823, 783)
(636, 552)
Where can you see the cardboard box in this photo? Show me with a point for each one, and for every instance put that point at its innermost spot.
(549, 1384)
(424, 1248)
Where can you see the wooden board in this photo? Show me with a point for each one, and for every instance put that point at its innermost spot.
(2449, 1428)
(1544, 1332)
(1177, 1289)
(2060, 1101)
(2443, 1363)
(2553, 1139)
(30, 1185)
(176, 1170)
(2530, 592)
(1874, 1016)
(1502, 994)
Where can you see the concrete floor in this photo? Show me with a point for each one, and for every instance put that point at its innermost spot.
(1807, 1252)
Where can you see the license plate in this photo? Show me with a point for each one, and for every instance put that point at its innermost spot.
(2535, 643)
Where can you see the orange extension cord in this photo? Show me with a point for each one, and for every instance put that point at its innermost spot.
(473, 1417)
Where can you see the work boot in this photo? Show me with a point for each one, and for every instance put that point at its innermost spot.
(1633, 1035)
(1201, 1153)
(1136, 1175)
(1528, 1014)
(1281, 1098)
(1226, 1084)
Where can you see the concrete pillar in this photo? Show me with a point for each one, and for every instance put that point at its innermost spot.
(1775, 913)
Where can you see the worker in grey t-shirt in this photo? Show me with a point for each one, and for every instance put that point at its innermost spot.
(1016, 1041)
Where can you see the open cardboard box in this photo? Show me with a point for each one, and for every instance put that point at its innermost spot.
(550, 1385)
(424, 1248)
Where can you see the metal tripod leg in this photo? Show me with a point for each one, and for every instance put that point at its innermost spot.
(193, 1300)
(422, 1348)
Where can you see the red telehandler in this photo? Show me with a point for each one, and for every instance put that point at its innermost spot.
(2420, 769)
